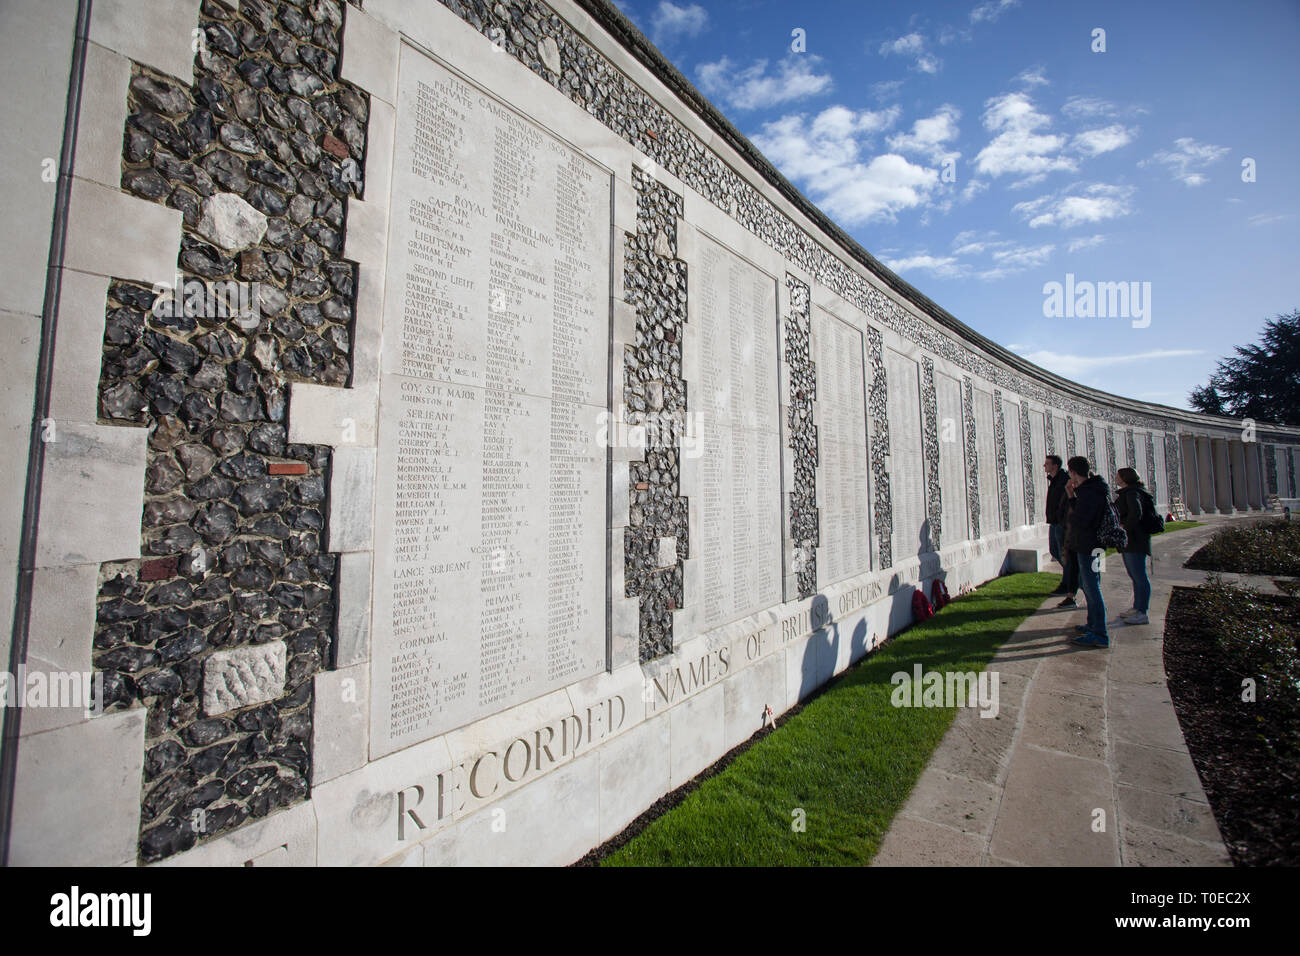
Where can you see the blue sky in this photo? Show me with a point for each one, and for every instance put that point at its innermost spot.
(983, 149)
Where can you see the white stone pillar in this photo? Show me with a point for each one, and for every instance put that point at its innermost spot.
(1222, 475)
(1191, 481)
(1237, 473)
(1254, 476)
(1205, 474)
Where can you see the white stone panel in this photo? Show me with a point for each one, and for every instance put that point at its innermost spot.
(112, 233)
(842, 449)
(340, 722)
(740, 544)
(695, 734)
(58, 643)
(952, 460)
(77, 793)
(1158, 483)
(86, 465)
(524, 828)
(990, 518)
(749, 693)
(490, 532)
(78, 346)
(1058, 432)
(911, 535)
(35, 58)
(360, 810)
(634, 772)
(158, 33)
(352, 642)
(1038, 446)
(1139, 462)
(102, 117)
(1015, 466)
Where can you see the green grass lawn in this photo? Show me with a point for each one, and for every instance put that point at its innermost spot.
(848, 759)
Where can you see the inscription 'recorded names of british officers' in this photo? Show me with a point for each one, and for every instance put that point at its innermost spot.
(490, 540)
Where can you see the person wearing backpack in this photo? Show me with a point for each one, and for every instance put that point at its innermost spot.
(1137, 513)
(1090, 512)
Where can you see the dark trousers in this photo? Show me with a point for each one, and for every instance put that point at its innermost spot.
(1070, 579)
(1056, 542)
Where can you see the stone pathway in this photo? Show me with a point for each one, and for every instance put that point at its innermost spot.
(1085, 738)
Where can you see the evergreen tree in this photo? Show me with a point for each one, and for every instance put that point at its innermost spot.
(1261, 381)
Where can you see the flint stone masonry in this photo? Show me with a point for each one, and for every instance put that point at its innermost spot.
(378, 558)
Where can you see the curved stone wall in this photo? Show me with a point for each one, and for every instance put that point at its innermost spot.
(243, 535)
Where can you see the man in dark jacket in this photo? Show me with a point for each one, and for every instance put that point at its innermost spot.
(1056, 479)
(1091, 499)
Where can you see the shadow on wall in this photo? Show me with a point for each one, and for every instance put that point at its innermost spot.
(822, 652)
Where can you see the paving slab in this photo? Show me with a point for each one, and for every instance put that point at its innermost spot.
(913, 842)
(1086, 764)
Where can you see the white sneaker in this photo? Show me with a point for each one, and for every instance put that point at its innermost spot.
(1137, 617)
(1128, 611)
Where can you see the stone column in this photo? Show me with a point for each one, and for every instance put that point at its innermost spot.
(1254, 476)
(1205, 474)
(1222, 475)
(1237, 473)
(1191, 481)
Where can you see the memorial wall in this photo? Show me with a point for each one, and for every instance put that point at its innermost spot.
(556, 442)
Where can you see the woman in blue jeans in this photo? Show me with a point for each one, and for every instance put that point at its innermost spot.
(1131, 502)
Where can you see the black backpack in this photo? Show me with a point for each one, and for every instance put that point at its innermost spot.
(1150, 520)
(1110, 533)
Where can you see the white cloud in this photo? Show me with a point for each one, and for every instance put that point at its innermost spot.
(930, 135)
(990, 11)
(1010, 258)
(1034, 76)
(1086, 107)
(1017, 147)
(886, 89)
(1077, 205)
(1027, 256)
(1264, 218)
(671, 21)
(1073, 366)
(1094, 142)
(967, 243)
(913, 46)
(1187, 160)
(825, 155)
(750, 87)
(1085, 242)
(1005, 257)
(944, 267)
(879, 190)
(910, 45)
